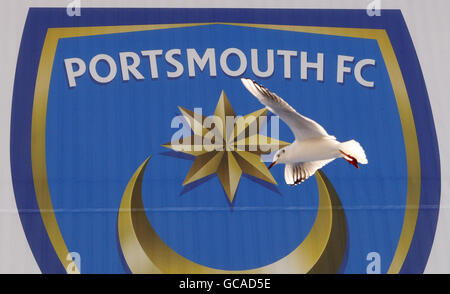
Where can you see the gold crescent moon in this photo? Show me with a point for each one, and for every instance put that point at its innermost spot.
(144, 251)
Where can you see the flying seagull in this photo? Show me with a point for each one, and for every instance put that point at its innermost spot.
(313, 147)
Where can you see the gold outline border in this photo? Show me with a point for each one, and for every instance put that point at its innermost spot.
(38, 156)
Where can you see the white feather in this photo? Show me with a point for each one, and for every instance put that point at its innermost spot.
(295, 174)
(301, 126)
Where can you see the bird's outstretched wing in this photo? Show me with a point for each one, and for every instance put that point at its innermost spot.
(302, 127)
(297, 173)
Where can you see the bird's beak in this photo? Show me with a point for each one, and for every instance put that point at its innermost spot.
(272, 164)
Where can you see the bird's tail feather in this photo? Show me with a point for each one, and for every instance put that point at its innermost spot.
(355, 150)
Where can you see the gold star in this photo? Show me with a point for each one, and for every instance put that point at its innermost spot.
(227, 145)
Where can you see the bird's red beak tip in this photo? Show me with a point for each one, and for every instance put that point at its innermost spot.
(272, 164)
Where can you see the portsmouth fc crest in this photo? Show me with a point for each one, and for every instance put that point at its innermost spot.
(223, 141)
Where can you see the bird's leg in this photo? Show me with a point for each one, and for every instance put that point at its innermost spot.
(350, 159)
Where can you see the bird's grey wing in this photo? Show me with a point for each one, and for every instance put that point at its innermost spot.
(302, 127)
(297, 173)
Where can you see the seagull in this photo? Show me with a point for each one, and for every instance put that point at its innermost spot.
(313, 147)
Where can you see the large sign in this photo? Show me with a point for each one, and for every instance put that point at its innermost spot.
(136, 147)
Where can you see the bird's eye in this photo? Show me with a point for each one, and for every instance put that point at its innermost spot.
(284, 151)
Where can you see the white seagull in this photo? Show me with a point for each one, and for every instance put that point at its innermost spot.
(313, 147)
